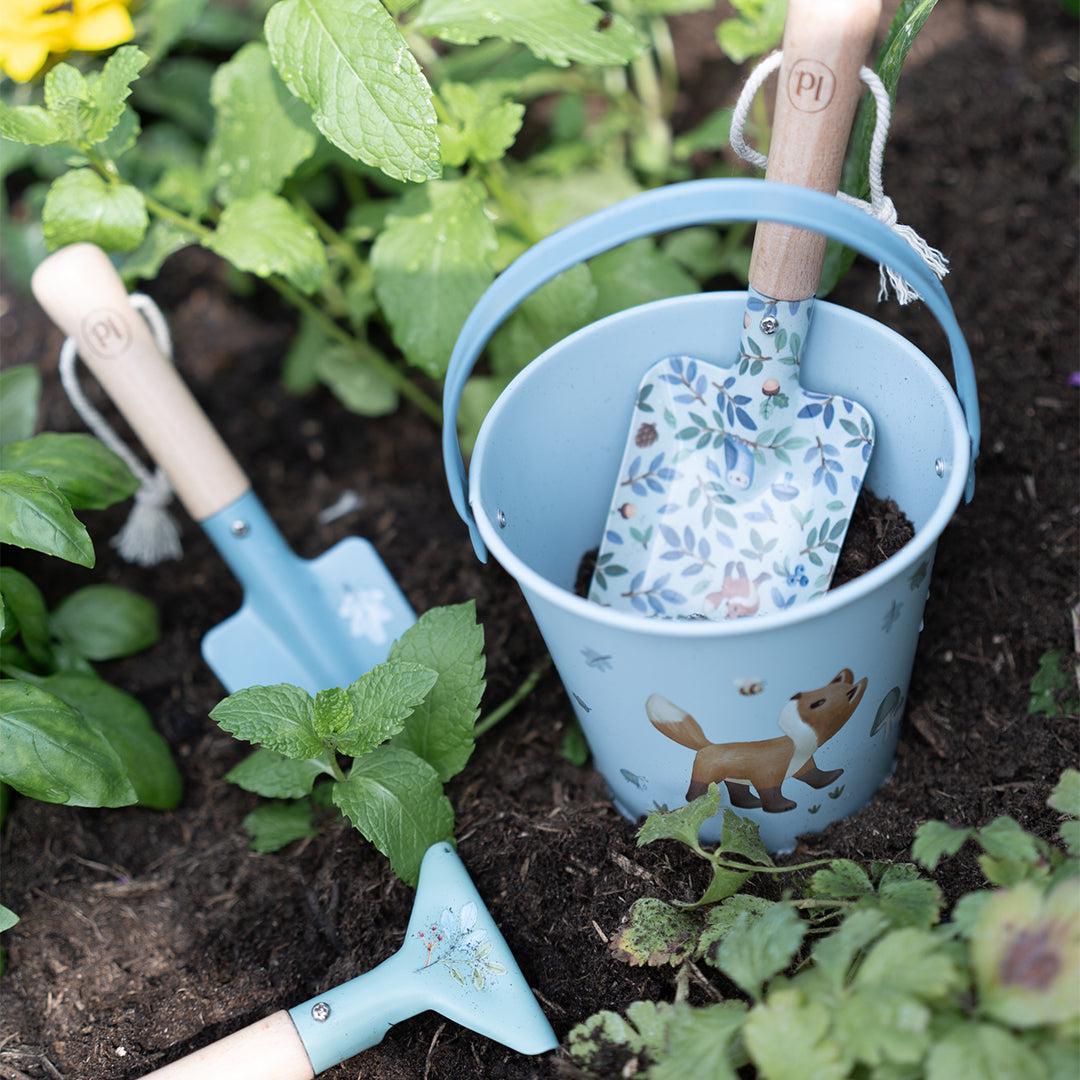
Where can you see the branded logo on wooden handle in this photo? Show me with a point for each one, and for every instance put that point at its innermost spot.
(105, 333)
(810, 85)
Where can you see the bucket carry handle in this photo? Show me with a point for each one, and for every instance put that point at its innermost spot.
(677, 206)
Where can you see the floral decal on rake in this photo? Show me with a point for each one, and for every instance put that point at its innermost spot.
(454, 943)
(736, 488)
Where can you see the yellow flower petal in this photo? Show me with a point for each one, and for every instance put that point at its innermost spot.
(101, 27)
(22, 60)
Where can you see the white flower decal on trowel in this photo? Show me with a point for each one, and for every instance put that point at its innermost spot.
(366, 612)
(455, 942)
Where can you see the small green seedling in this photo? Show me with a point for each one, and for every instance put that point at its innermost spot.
(407, 726)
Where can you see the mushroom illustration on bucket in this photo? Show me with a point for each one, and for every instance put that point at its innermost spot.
(793, 713)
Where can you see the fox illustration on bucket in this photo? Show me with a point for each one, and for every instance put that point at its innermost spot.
(808, 720)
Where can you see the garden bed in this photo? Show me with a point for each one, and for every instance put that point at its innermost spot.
(148, 934)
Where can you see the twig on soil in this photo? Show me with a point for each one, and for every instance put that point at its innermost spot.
(500, 712)
(431, 1049)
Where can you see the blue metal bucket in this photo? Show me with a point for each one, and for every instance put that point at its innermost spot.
(795, 714)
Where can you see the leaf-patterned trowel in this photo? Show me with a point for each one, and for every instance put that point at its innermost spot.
(737, 483)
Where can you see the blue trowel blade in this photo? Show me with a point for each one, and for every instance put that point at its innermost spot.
(314, 624)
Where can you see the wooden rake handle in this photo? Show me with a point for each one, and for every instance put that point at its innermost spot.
(825, 45)
(82, 293)
(270, 1049)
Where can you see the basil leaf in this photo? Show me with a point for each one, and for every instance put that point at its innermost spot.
(34, 515)
(103, 622)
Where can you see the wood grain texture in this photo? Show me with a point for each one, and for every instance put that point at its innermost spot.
(268, 1050)
(82, 293)
(818, 90)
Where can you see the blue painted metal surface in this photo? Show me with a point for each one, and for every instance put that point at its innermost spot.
(314, 623)
(812, 694)
(454, 961)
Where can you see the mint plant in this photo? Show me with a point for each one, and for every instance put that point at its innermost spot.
(360, 155)
(852, 972)
(406, 727)
(68, 736)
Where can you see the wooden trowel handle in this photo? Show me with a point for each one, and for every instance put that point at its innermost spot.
(268, 1050)
(825, 44)
(82, 293)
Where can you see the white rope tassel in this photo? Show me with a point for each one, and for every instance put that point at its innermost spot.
(880, 205)
(150, 535)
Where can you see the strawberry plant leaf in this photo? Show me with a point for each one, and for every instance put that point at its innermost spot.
(104, 622)
(842, 879)
(558, 31)
(348, 61)
(450, 642)
(758, 947)
(34, 515)
(126, 726)
(699, 1042)
(52, 754)
(20, 389)
(264, 235)
(835, 954)
(934, 840)
(983, 1052)
(275, 825)
(788, 1039)
(742, 837)
(81, 206)
(280, 717)
(8, 918)
(655, 934)
(1065, 798)
(883, 1028)
(910, 961)
(683, 824)
(643, 1029)
(261, 131)
(396, 800)
(906, 899)
(722, 884)
(436, 244)
(277, 777)
(25, 607)
(87, 473)
(722, 917)
(381, 701)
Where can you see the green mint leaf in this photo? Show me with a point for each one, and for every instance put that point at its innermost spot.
(906, 899)
(840, 880)
(1049, 685)
(103, 622)
(81, 206)
(277, 824)
(483, 123)
(396, 800)
(261, 132)
(67, 97)
(554, 311)
(280, 717)
(436, 244)
(87, 473)
(882, 1028)
(126, 727)
(835, 953)
(30, 125)
(24, 609)
(263, 234)
(334, 713)
(557, 30)
(382, 700)
(20, 390)
(161, 241)
(34, 515)
(450, 642)
(169, 21)
(699, 1042)
(275, 776)
(722, 917)
(655, 934)
(910, 961)
(935, 840)
(741, 837)
(787, 1038)
(978, 1051)
(683, 824)
(758, 28)
(51, 753)
(356, 384)
(299, 373)
(1065, 798)
(555, 201)
(348, 61)
(110, 89)
(757, 948)
(636, 273)
(8, 918)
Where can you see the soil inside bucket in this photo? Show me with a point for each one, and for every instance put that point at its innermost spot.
(878, 530)
(145, 935)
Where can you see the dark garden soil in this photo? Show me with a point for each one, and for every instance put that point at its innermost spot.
(147, 935)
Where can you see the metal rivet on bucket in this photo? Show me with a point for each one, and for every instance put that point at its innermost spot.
(939, 466)
(501, 518)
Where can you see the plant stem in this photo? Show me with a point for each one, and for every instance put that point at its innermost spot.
(493, 174)
(407, 388)
(331, 237)
(667, 60)
(748, 868)
(500, 712)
